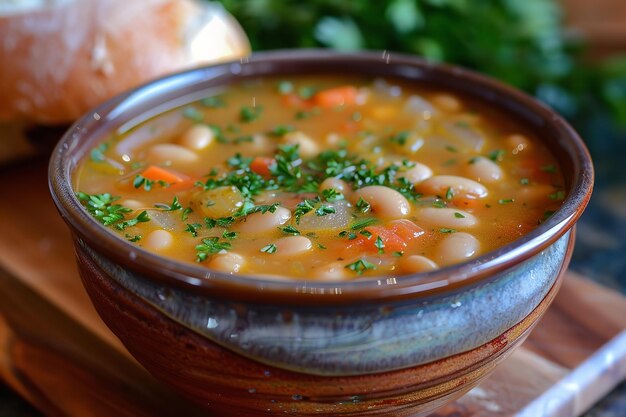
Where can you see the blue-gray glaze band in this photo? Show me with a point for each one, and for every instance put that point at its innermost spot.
(356, 340)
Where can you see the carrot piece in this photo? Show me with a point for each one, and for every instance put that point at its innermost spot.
(261, 165)
(395, 235)
(293, 100)
(175, 180)
(337, 96)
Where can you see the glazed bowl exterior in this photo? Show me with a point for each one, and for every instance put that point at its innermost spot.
(393, 346)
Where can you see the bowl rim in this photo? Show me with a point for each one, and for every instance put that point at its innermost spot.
(247, 288)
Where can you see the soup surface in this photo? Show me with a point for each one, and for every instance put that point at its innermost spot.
(328, 178)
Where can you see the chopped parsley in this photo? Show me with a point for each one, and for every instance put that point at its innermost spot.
(210, 246)
(97, 153)
(496, 155)
(363, 205)
(447, 230)
(171, 207)
(400, 138)
(506, 200)
(141, 218)
(213, 102)
(363, 222)
(271, 248)
(558, 195)
(285, 87)
(458, 215)
(193, 229)
(449, 193)
(192, 113)
(380, 245)
(249, 114)
(147, 184)
(290, 230)
(229, 234)
(360, 266)
(281, 130)
(524, 181)
(331, 195)
(323, 210)
(101, 207)
(133, 238)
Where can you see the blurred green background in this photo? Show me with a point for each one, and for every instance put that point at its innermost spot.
(523, 43)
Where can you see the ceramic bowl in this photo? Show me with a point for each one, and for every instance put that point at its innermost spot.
(244, 346)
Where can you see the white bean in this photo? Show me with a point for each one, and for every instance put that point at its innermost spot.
(292, 245)
(197, 137)
(385, 201)
(159, 240)
(336, 184)
(331, 272)
(447, 217)
(484, 170)
(416, 263)
(263, 222)
(133, 204)
(169, 152)
(306, 145)
(229, 262)
(460, 186)
(416, 174)
(457, 247)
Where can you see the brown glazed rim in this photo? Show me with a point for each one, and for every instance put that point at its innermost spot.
(150, 99)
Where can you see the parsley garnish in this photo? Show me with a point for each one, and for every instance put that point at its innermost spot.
(132, 238)
(141, 218)
(282, 130)
(380, 245)
(398, 253)
(496, 155)
(449, 193)
(172, 207)
(271, 248)
(366, 233)
(210, 246)
(400, 138)
(360, 266)
(290, 230)
(319, 245)
(102, 208)
(331, 195)
(361, 223)
(458, 215)
(549, 168)
(446, 230)
(213, 102)
(559, 195)
(229, 235)
(363, 205)
(324, 210)
(97, 153)
(193, 229)
(506, 201)
(192, 113)
(249, 114)
(147, 184)
(285, 87)
(524, 181)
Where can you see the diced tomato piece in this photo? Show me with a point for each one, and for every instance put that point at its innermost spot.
(337, 96)
(261, 165)
(395, 235)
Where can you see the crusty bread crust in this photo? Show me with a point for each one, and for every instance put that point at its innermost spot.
(59, 61)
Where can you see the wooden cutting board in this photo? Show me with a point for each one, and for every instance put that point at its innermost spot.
(55, 351)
